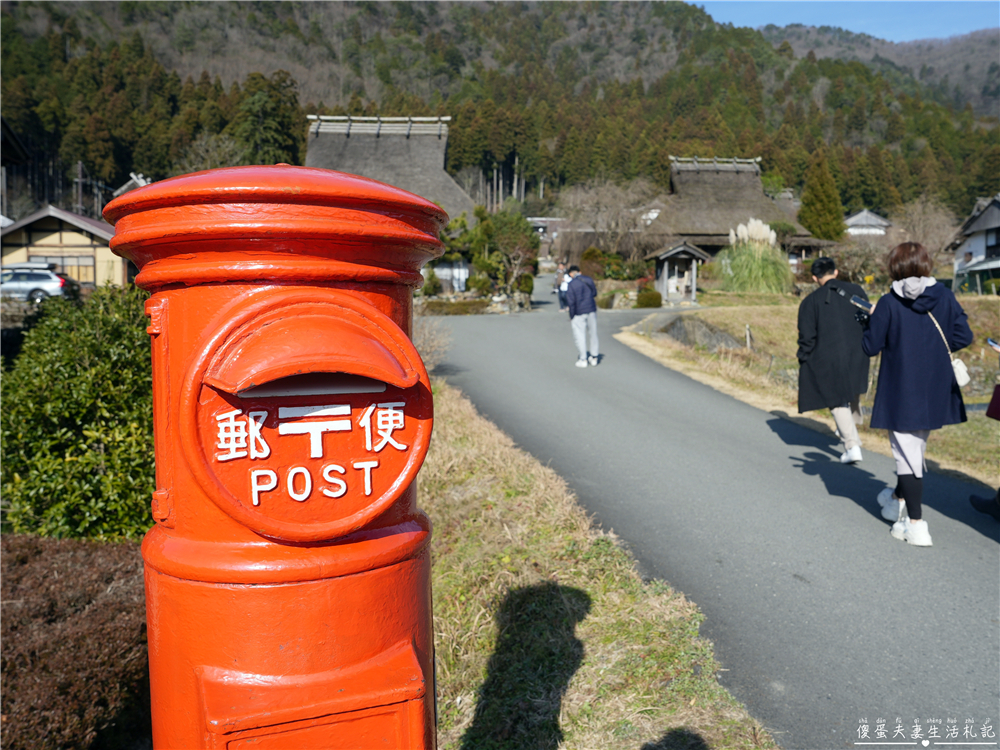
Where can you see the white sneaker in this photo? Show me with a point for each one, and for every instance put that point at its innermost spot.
(593, 361)
(581, 363)
(893, 509)
(912, 532)
(851, 456)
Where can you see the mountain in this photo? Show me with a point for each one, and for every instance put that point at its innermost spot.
(955, 70)
(562, 92)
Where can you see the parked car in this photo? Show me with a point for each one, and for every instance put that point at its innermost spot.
(35, 282)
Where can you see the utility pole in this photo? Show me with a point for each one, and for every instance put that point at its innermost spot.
(79, 187)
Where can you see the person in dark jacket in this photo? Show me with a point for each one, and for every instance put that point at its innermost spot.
(833, 369)
(914, 327)
(581, 298)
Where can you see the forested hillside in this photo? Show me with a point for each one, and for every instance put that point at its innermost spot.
(958, 70)
(569, 91)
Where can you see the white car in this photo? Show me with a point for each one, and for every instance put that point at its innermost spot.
(36, 282)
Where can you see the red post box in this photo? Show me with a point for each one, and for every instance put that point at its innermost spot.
(288, 573)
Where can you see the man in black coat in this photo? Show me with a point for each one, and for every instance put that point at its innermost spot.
(833, 368)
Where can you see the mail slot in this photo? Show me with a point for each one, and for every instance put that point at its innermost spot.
(288, 573)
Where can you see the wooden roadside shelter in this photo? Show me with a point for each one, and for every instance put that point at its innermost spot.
(677, 271)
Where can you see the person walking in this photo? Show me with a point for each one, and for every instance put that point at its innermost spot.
(916, 327)
(581, 298)
(560, 285)
(833, 368)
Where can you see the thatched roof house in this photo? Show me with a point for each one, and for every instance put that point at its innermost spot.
(708, 197)
(407, 152)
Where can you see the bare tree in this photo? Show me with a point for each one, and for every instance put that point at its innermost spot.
(862, 257)
(431, 337)
(209, 152)
(612, 213)
(927, 221)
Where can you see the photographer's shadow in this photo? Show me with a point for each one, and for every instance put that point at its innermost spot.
(537, 653)
(678, 739)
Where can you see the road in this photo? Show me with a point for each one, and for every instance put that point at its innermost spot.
(820, 617)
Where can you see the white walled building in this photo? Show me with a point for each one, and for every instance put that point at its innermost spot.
(864, 222)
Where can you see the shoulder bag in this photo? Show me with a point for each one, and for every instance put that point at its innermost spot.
(961, 371)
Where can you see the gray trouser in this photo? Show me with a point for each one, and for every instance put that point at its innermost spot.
(580, 324)
(844, 417)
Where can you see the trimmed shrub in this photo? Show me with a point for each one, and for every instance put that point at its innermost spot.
(74, 664)
(649, 298)
(76, 421)
(525, 283)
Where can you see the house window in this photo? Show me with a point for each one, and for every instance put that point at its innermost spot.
(79, 267)
(993, 243)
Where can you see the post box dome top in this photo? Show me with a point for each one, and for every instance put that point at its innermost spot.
(295, 222)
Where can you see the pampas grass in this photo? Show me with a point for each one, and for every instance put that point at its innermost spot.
(753, 263)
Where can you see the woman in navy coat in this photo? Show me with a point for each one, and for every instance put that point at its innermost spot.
(917, 391)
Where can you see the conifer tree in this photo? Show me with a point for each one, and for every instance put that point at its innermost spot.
(821, 212)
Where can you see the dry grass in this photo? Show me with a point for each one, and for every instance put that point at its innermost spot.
(430, 337)
(546, 635)
(718, 298)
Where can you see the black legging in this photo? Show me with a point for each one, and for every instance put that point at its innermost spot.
(911, 489)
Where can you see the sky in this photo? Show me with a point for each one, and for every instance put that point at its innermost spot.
(893, 20)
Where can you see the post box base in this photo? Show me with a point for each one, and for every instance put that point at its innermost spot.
(340, 662)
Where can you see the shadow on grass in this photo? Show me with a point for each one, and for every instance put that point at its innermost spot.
(537, 653)
(678, 739)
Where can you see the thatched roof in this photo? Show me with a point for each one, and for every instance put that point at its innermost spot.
(710, 197)
(407, 152)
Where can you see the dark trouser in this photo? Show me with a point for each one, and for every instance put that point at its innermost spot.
(911, 489)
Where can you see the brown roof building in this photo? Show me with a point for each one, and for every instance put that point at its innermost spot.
(709, 197)
(77, 245)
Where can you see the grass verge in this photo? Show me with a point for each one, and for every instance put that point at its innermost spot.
(545, 633)
(458, 307)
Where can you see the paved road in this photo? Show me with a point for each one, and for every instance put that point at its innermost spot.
(821, 618)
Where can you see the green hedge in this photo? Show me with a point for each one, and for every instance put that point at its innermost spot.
(76, 421)
(649, 298)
